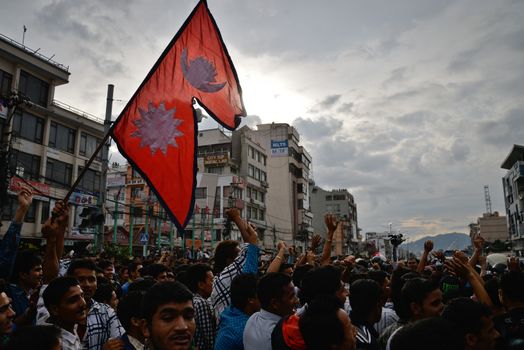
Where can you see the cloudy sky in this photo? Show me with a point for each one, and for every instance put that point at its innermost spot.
(410, 104)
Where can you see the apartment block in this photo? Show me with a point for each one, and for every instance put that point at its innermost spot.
(49, 141)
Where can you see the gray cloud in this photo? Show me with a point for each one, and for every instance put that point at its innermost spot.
(315, 130)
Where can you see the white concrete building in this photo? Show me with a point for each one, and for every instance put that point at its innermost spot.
(50, 141)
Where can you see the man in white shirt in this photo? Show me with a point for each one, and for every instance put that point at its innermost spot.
(276, 294)
(65, 302)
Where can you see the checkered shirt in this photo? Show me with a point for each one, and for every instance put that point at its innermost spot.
(245, 262)
(102, 325)
(205, 324)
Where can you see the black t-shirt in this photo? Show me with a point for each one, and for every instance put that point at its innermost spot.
(511, 328)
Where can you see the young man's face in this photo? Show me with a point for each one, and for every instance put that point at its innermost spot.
(287, 303)
(485, 339)
(342, 294)
(136, 274)
(172, 326)
(432, 305)
(7, 314)
(87, 280)
(412, 264)
(206, 287)
(34, 277)
(109, 272)
(72, 307)
(161, 277)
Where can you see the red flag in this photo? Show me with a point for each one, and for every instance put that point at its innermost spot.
(156, 131)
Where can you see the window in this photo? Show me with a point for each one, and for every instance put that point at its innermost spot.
(135, 174)
(251, 170)
(33, 88)
(58, 173)
(25, 164)
(257, 173)
(201, 193)
(90, 181)
(6, 80)
(10, 208)
(62, 137)
(45, 212)
(264, 159)
(255, 195)
(261, 215)
(329, 198)
(214, 169)
(339, 197)
(249, 192)
(263, 176)
(88, 146)
(136, 192)
(261, 196)
(28, 126)
(248, 213)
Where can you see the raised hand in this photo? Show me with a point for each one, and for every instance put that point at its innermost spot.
(233, 214)
(25, 198)
(331, 222)
(428, 246)
(461, 256)
(439, 254)
(281, 245)
(315, 242)
(478, 242)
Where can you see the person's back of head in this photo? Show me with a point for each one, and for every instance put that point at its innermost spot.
(320, 325)
(429, 334)
(129, 312)
(299, 273)
(35, 337)
(512, 288)
(366, 301)
(244, 293)
(413, 299)
(320, 281)
(141, 284)
(225, 252)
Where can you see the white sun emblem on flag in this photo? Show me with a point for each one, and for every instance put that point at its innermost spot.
(157, 128)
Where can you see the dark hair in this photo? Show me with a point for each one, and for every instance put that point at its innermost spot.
(154, 270)
(299, 273)
(161, 294)
(492, 288)
(321, 280)
(142, 284)
(34, 337)
(378, 276)
(319, 324)
(56, 290)
(24, 262)
(466, 314)
(80, 264)
(271, 286)
(512, 285)
(285, 267)
(224, 251)
(196, 273)
(415, 290)
(129, 307)
(104, 264)
(397, 282)
(132, 266)
(103, 293)
(429, 334)
(364, 297)
(243, 287)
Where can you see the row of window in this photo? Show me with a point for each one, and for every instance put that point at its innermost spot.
(10, 207)
(255, 194)
(57, 172)
(30, 127)
(256, 155)
(336, 197)
(255, 213)
(256, 173)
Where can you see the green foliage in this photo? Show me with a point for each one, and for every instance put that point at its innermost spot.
(119, 253)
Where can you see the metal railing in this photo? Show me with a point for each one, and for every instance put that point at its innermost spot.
(34, 52)
(77, 111)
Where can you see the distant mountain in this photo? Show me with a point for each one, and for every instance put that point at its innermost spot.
(453, 241)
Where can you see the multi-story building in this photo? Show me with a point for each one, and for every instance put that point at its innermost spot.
(491, 226)
(115, 195)
(288, 167)
(513, 184)
(49, 141)
(341, 203)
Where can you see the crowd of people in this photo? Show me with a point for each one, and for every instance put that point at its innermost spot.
(232, 299)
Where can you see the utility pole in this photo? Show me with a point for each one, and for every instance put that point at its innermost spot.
(131, 212)
(105, 156)
(115, 216)
(146, 227)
